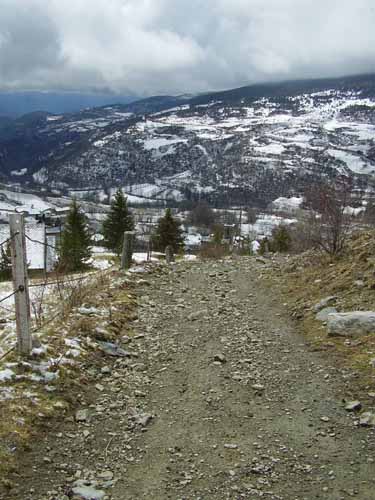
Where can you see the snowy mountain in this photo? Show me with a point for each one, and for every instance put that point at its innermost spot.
(250, 145)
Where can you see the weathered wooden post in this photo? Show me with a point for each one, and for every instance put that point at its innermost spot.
(266, 247)
(169, 255)
(20, 283)
(127, 250)
(149, 250)
(45, 254)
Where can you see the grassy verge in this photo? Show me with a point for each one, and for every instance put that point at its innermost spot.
(30, 404)
(305, 280)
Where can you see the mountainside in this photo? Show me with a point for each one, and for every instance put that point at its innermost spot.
(248, 145)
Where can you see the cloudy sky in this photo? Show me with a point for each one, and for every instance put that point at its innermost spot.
(178, 46)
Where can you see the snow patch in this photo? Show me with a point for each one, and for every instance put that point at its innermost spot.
(19, 173)
(156, 143)
(6, 375)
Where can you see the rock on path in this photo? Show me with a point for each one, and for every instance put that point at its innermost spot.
(221, 400)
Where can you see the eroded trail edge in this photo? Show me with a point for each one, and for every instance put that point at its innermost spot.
(218, 398)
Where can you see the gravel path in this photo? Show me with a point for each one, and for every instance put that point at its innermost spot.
(221, 399)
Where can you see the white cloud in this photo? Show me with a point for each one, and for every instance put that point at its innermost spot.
(160, 46)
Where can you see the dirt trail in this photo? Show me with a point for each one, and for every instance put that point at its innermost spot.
(241, 407)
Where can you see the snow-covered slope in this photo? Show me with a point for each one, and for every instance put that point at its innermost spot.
(238, 150)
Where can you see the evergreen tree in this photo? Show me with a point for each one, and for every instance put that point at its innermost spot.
(74, 248)
(281, 239)
(5, 264)
(119, 220)
(168, 232)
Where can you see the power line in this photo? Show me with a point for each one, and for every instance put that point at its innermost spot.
(44, 243)
(7, 309)
(68, 281)
(8, 239)
(6, 353)
(47, 322)
(10, 295)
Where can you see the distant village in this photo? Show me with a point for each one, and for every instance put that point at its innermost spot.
(45, 219)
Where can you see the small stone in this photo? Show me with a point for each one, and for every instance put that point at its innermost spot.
(325, 303)
(359, 283)
(82, 415)
(194, 316)
(144, 420)
(106, 475)
(324, 419)
(139, 394)
(353, 406)
(367, 419)
(88, 493)
(220, 358)
(258, 387)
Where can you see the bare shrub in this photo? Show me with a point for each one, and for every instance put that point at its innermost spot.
(302, 236)
(37, 305)
(74, 291)
(214, 251)
(218, 231)
(330, 225)
(369, 215)
(202, 215)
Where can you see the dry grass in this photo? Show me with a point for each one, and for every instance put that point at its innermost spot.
(30, 411)
(306, 279)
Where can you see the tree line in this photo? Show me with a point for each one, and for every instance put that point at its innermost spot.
(74, 249)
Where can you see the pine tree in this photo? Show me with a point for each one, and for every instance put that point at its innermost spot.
(74, 248)
(168, 232)
(119, 220)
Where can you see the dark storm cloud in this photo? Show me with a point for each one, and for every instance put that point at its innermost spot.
(29, 42)
(153, 46)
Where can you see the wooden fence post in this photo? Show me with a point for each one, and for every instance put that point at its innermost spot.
(45, 249)
(127, 250)
(149, 250)
(20, 283)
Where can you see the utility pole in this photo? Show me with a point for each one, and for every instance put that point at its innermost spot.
(45, 254)
(240, 225)
(127, 250)
(20, 283)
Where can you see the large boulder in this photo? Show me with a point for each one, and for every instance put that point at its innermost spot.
(350, 324)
